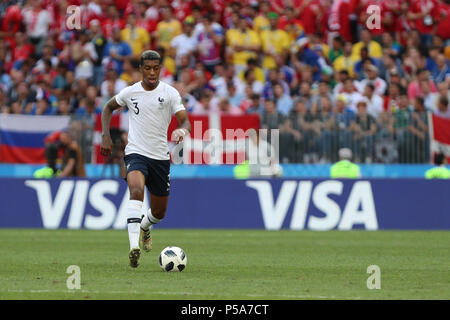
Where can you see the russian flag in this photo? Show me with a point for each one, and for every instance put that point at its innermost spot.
(22, 136)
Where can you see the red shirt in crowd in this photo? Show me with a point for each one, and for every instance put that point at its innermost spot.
(339, 19)
(309, 14)
(443, 28)
(121, 4)
(418, 6)
(108, 25)
(182, 9)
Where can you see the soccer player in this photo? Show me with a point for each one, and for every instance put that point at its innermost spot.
(151, 103)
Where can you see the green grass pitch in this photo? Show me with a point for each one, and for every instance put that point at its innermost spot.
(227, 264)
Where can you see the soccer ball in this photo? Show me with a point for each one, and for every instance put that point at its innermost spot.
(172, 259)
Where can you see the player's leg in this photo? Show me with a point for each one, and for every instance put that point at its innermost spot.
(136, 178)
(136, 185)
(157, 211)
(159, 186)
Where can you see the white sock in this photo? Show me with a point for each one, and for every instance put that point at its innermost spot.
(134, 221)
(149, 220)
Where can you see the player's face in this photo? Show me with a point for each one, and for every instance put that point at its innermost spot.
(150, 71)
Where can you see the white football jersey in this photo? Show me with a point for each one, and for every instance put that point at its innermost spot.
(150, 113)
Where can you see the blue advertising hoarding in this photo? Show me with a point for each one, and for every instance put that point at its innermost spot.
(296, 204)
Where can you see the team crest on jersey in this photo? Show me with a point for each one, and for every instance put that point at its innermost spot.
(161, 100)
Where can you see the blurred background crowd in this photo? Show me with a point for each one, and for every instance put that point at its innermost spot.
(310, 68)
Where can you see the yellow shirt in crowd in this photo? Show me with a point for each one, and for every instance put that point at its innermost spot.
(276, 41)
(258, 72)
(236, 37)
(261, 23)
(375, 50)
(137, 39)
(167, 31)
(344, 63)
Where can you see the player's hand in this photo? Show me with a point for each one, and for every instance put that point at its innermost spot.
(179, 134)
(106, 145)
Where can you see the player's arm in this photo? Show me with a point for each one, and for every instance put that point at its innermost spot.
(109, 107)
(184, 126)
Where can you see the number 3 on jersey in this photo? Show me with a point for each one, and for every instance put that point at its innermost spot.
(136, 111)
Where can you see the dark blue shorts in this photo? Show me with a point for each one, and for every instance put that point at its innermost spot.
(156, 172)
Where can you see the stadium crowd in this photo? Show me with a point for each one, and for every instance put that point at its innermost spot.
(310, 68)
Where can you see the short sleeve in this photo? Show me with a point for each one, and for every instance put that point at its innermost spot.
(121, 97)
(177, 102)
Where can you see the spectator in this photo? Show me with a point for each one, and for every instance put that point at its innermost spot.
(252, 104)
(419, 131)
(99, 42)
(234, 97)
(252, 64)
(322, 92)
(427, 96)
(424, 13)
(137, 37)
(363, 132)
(372, 78)
(23, 95)
(324, 125)
(242, 44)
(375, 102)
(343, 118)
(274, 42)
(442, 71)
(37, 21)
(250, 81)
(361, 64)
(273, 78)
(210, 40)
(291, 137)
(402, 121)
(112, 21)
(345, 61)
(63, 107)
(374, 48)
(391, 100)
(390, 46)
(390, 65)
(271, 118)
(42, 107)
(111, 77)
(283, 101)
(127, 74)
(185, 44)
(442, 90)
(414, 90)
(261, 21)
(351, 95)
(226, 108)
(290, 23)
(302, 55)
(116, 51)
(443, 109)
(337, 49)
(23, 49)
(208, 103)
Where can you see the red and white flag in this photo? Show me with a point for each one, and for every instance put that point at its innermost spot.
(439, 135)
(214, 139)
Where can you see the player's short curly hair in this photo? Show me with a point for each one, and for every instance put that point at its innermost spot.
(150, 55)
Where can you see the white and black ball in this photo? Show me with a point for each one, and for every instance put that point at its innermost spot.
(172, 259)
